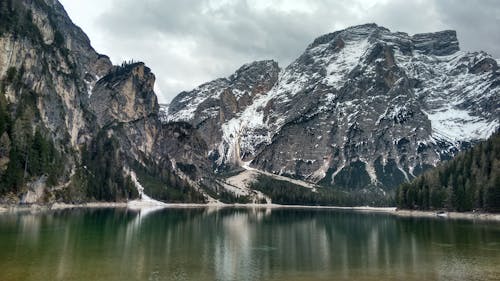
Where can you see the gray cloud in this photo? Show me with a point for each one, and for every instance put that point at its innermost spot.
(188, 42)
(477, 22)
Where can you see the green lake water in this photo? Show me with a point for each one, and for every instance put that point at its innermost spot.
(244, 244)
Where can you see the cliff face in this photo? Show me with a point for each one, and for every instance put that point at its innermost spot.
(126, 107)
(125, 94)
(53, 59)
(47, 68)
(213, 104)
(74, 127)
(361, 107)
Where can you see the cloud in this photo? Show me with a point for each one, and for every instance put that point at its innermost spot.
(188, 42)
(477, 22)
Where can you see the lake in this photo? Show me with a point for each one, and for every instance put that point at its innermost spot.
(244, 244)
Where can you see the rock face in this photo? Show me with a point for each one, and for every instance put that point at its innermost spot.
(47, 68)
(59, 72)
(360, 107)
(124, 103)
(125, 94)
(95, 123)
(213, 104)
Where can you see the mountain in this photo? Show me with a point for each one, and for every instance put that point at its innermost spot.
(470, 181)
(361, 109)
(75, 128)
(212, 105)
(359, 112)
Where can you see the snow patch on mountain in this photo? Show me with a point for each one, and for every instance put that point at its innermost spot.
(192, 102)
(452, 94)
(458, 125)
(239, 133)
(343, 62)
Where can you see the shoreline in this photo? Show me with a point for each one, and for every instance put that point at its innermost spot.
(144, 205)
(494, 217)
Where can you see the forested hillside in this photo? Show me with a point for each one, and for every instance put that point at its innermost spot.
(471, 181)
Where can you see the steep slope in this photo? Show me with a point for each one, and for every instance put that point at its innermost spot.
(53, 59)
(172, 155)
(73, 127)
(362, 107)
(468, 182)
(213, 104)
(47, 68)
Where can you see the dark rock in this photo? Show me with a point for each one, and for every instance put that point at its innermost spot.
(439, 43)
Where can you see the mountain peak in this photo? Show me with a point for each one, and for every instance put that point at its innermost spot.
(367, 28)
(258, 65)
(255, 71)
(125, 94)
(353, 32)
(440, 43)
(437, 43)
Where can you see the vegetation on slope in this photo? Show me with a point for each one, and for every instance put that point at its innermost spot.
(164, 185)
(470, 181)
(287, 193)
(26, 153)
(105, 165)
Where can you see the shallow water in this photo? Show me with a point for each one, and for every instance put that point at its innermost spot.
(244, 244)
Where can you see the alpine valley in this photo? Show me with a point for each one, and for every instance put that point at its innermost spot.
(360, 112)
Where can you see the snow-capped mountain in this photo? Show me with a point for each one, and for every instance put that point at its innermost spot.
(360, 107)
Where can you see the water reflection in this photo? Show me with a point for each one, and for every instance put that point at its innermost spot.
(243, 244)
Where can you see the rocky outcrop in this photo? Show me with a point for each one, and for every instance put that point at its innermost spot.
(439, 43)
(171, 160)
(186, 147)
(125, 104)
(124, 95)
(361, 107)
(211, 105)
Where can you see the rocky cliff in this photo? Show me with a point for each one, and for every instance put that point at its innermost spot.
(213, 104)
(74, 127)
(48, 68)
(361, 107)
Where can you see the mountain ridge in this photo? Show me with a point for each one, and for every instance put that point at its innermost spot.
(328, 75)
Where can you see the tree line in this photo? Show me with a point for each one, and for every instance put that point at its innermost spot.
(470, 181)
(287, 193)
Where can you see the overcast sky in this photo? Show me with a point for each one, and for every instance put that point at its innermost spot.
(189, 42)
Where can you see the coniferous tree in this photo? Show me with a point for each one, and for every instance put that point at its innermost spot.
(470, 181)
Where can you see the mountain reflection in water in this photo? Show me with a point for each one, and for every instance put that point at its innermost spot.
(243, 244)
